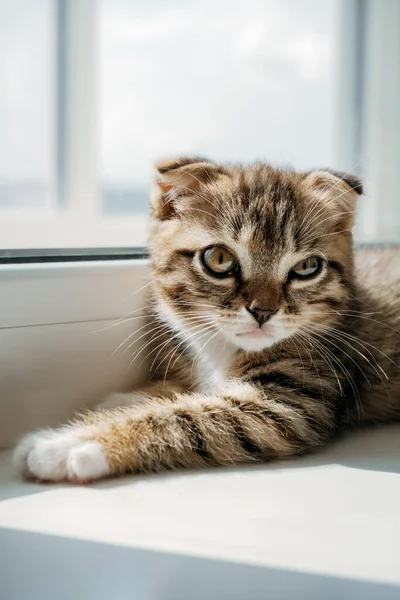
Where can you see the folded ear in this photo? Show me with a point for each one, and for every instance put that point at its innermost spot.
(339, 191)
(351, 180)
(177, 178)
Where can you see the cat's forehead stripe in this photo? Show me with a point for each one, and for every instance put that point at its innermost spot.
(243, 252)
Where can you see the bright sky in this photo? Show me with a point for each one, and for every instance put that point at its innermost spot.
(230, 79)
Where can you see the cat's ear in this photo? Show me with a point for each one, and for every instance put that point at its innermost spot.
(180, 177)
(351, 180)
(339, 191)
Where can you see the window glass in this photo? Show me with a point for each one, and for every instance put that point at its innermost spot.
(92, 92)
(27, 88)
(233, 81)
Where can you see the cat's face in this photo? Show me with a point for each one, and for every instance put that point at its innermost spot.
(254, 255)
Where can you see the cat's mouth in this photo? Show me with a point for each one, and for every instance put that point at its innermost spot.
(254, 334)
(259, 338)
(256, 339)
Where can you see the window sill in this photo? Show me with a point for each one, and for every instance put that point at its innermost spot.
(63, 230)
(70, 292)
(327, 526)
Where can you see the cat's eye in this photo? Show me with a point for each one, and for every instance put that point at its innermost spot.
(310, 267)
(219, 261)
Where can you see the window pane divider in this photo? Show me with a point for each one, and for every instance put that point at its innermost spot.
(77, 81)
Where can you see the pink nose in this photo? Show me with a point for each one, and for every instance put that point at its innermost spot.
(261, 315)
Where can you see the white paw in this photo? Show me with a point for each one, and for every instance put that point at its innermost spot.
(57, 455)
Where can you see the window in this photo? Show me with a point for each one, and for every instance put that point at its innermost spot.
(27, 108)
(115, 84)
(254, 81)
(92, 92)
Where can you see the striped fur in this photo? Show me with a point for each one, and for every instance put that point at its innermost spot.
(224, 389)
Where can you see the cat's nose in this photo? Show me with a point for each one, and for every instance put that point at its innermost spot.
(261, 315)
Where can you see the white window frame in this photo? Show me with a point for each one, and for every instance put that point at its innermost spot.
(381, 122)
(368, 123)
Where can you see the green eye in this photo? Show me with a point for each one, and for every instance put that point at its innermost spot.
(219, 261)
(310, 267)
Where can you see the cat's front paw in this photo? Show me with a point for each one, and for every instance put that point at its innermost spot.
(60, 455)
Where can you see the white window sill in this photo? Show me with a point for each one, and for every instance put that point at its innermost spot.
(326, 526)
(70, 292)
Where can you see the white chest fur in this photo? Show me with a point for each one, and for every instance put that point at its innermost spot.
(212, 361)
(212, 354)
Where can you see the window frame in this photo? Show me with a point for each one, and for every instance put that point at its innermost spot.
(54, 255)
(368, 124)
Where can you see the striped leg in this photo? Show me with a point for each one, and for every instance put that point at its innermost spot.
(240, 425)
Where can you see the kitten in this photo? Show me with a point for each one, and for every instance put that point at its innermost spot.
(268, 342)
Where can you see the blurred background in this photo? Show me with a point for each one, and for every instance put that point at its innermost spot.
(93, 91)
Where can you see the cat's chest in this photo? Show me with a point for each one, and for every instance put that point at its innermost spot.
(211, 366)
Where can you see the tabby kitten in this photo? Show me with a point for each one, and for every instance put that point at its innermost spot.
(267, 340)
